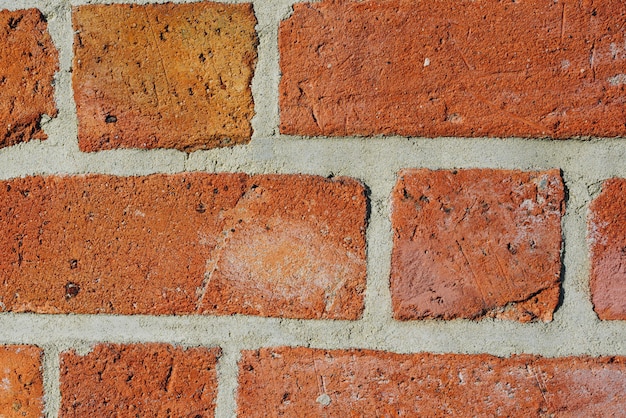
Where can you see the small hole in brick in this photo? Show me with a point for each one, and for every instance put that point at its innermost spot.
(71, 290)
(110, 119)
(216, 191)
(200, 208)
(73, 264)
(202, 58)
(13, 22)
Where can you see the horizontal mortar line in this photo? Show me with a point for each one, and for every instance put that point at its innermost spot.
(488, 336)
(412, 152)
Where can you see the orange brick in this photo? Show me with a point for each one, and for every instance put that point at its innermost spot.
(472, 243)
(532, 68)
(607, 223)
(270, 245)
(139, 380)
(28, 63)
(21, 382)
(358, 383)
(163, 75)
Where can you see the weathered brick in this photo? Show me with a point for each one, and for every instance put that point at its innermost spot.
(360, 383)
(607, 223)
(533, 68)
(21, 386)
(271, 245)
(471, 243)
(163, 75)
(28, 61)
(139, 380)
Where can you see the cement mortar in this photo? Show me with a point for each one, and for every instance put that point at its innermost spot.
(375, 161)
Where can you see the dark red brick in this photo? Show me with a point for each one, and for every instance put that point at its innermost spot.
(358, 383)
(271, 245)
(155, 380)
(607, 223)
(164, 75)
(532, 68)
(472, 243)
(28, 61)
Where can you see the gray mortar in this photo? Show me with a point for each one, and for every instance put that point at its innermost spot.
(375, 161)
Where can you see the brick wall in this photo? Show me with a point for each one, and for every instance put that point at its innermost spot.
(335, 208)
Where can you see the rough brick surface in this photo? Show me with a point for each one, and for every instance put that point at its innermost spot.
(272, 245)
(356, 383)
(21, 382)
(163, 75)
(607, 223)
(469, 243)
(28, 63)
(530, 68)
(155, 380)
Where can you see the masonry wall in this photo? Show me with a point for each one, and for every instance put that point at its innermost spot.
(336, 208)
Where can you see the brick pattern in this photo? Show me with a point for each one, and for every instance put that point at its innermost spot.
(29, 61)
(358, 383)
(467, 244)
(607, 223)
(139, 380)
(533, 68)
(163, 75)
(265, 245)
(472, 243)
(21, 381)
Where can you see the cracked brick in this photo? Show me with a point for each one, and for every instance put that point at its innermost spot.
(475, 243)
(269, 245)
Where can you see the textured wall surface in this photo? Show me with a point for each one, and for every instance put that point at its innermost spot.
(334, 208)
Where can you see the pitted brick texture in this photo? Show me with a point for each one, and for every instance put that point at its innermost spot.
(472, 243)
(270, 245)
(155, 380)
(163, 75)
(607, 239)
(360, 383)
(21, 382)
(28, 61)
(533, 68)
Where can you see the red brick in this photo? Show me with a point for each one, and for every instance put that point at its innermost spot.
(271, 245)
(163, 75)
(360, 383)
(607, 223)
(533, 68)
(21, 381)
(139, 380)
(28, 63)
(472, 243)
